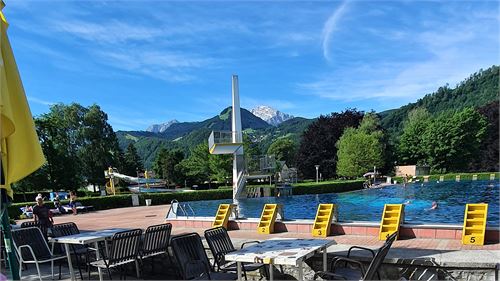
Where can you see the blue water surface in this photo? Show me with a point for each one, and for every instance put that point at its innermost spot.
(368, 204)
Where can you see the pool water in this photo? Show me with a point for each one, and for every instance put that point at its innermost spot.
(368, 204)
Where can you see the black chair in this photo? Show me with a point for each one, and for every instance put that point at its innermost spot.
(70, 228)
(220, 244)
(27, 224)
(155, 242)
(31, 247)
(124, 250)
(357, 271)
(193, 261)
(33, 223)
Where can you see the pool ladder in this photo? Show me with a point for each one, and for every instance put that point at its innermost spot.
(176, 206)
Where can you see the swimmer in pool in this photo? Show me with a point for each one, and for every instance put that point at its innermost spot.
(434, 205)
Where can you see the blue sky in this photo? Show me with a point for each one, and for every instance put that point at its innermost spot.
(147, 62)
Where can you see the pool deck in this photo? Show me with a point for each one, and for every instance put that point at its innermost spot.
(144, 216)
(432, 251)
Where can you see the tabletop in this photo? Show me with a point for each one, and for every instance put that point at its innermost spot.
(87, 237)
(283, 251)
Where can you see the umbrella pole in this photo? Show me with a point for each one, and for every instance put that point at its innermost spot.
(9, 246)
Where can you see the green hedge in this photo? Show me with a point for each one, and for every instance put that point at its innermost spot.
(120, 201)
(452, 176)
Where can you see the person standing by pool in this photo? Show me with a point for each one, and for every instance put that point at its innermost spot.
(72, 201)
(42, 215)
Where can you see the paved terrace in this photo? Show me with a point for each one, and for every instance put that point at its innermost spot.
(427, 252)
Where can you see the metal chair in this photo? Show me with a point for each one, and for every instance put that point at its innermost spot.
(360, 272)
(220, 244)
(33, 223)
(70, 228)
(124, 250)
(192, 259)
(155, 242)
(31, 247)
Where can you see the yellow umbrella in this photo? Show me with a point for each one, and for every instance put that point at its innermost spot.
(21, 153)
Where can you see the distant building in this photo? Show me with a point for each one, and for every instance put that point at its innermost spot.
(412, 170)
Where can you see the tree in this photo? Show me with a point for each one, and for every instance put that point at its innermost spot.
(202, 166)
(317, 146)
(411, 149)
(165, 164)
(196, 167)
(487, 159)
(58, 131)
(284, 149)
(360, 149)
(99, 148)
(453, 139)
(131, 162)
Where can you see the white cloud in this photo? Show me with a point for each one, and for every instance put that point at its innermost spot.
(168, 66)
(110, 32)
(445, 52)
(330, 27)
(40, 101)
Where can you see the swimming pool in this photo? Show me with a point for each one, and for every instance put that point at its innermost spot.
(368, 204)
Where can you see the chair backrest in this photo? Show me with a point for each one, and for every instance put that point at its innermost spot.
(379, 257)
(124, 246)
(30, 224)
(190, 255)
(33, 237)
(220, 243)
(156, 239)
(64, 229)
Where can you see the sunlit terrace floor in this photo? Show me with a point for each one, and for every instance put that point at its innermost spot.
(429, 253)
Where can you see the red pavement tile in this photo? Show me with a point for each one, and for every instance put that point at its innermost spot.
(358, 230)
(372, 231)
(445, 233)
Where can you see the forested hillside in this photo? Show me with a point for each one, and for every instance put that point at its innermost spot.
(478, 90)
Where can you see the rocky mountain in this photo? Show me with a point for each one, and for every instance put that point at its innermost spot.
(160, 128)
(270, 115)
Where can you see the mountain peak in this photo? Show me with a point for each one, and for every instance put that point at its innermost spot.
(270, 115)
(160, 128)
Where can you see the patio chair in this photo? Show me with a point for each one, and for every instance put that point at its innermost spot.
(70, 228)
(124, 250)
(33, 223)
(31, 247)
(155, 242)
(358, 271)
(220, 244)
(192, 259)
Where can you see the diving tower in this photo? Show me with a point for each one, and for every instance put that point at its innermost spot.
(232, 143)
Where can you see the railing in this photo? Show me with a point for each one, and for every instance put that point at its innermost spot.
(217, 137)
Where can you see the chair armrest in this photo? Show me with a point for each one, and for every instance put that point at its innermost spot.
(332, 276)
(31, 252)
(249, 242)
(361, 248)
(347, 260)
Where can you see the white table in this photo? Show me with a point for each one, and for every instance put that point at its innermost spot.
(281, 251)
(85, 238)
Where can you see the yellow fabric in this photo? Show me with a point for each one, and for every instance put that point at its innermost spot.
(19, 145)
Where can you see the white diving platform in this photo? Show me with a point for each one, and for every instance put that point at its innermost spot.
(221, 142)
